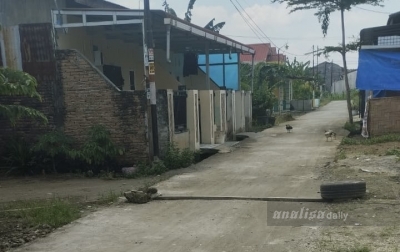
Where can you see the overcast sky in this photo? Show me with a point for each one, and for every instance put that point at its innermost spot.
(300, 30)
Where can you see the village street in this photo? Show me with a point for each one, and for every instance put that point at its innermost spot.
(272, 163)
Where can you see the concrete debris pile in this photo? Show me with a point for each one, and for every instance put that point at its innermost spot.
(141, 196)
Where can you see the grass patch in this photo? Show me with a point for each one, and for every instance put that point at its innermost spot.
(109, 198)
(392, 152)
(341, 155)
(370, 141)
(55, 212)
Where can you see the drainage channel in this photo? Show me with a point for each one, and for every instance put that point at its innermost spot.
(282, 199)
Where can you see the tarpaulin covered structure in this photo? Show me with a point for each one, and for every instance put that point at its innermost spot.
(378, 70)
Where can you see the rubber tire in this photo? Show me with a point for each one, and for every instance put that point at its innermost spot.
(343, 190)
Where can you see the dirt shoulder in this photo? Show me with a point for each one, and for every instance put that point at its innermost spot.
(74, 186)
(378, 215)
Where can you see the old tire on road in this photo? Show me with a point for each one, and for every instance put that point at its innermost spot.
(343, 190)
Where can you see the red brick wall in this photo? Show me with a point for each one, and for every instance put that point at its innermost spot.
(90, 99)
(384, 116)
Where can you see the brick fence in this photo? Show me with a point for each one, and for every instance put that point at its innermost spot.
(89, 99)
(384, 116)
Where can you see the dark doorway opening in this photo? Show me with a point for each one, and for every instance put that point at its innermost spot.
(114, 74)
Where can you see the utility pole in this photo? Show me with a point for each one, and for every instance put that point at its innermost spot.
(313, 60)
(150, 75)
(317, 61)
(332, 78)
(278, 55)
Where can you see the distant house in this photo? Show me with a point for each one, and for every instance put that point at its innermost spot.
(264, 53)
(330, 72)
(338, 87)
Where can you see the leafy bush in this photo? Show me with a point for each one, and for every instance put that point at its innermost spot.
(186, 158)
(18, 156)
(156, 168)
(355, 99)
(55, 144)
(172, 157)
(175, 159)
(99, 149)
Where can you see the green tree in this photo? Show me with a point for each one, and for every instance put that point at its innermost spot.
(17, 83)
(323, 10)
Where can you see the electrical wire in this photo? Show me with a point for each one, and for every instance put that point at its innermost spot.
(261, 31)
(246, 21)
(380, 12)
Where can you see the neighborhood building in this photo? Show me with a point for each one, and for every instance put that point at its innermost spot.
(90, 56)
(378, 78)
(263, 53)
(339, 87)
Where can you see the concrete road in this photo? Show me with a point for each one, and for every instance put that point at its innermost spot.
(271, 163)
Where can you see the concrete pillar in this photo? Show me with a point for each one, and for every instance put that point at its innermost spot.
(10, 46)
(220, 116)
(207, 116)
(230, 114)
(171, 121)
(247, 111)
(239, 110)
(193, 116)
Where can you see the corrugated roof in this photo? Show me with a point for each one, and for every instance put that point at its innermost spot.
(262, 51)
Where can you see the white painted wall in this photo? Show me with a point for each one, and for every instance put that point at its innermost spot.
(339, 87)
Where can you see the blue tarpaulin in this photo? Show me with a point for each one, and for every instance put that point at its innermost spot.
(378, 70)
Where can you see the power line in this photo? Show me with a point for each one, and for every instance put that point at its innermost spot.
(245, 20)
(381, 12)
(262, 32)
(254, 23)
(248, 5)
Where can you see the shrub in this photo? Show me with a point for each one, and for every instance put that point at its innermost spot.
(186, 158)
(18, 156)
(156, 168)
(172, 157)
(55, 144)
(175, 159)
(99, 150)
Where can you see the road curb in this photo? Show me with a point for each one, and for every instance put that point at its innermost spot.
(282, 199)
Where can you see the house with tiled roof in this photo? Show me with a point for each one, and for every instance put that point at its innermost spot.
(264, 53)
